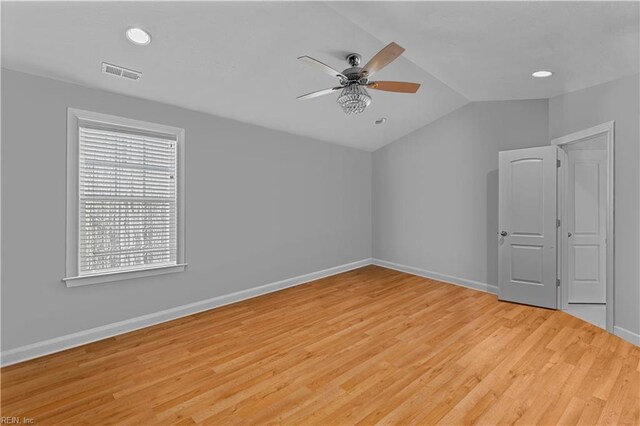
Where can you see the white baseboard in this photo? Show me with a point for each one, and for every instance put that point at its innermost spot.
(57, 344)
(627, 335)
(475, 285)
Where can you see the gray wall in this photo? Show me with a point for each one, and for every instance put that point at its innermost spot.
(262, 206)
(619, 101)
(435, 191)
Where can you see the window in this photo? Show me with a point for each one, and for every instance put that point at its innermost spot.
(124, 207)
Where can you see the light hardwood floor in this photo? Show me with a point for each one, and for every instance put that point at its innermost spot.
(367, 346)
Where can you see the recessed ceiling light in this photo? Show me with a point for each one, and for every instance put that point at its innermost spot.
(381, 120)
(542, 74)
(138, 36)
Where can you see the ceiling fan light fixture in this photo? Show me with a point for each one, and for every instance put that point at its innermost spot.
(354, 99)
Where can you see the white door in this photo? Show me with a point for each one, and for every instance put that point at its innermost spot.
(527, 226)
(587, 222)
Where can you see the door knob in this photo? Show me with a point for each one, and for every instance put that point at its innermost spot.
(503, 233)
(570, 234)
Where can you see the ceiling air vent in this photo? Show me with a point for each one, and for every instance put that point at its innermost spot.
(121, 72)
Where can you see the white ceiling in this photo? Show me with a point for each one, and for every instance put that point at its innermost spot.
(238, 60)
(487, 51)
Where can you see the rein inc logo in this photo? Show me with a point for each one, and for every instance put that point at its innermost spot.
(7, 420)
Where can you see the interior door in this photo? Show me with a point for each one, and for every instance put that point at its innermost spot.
(527, 226)
(587, 224)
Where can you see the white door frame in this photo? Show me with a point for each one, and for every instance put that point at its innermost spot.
(606, 129)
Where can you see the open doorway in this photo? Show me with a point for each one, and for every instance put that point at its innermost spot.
(585, 233)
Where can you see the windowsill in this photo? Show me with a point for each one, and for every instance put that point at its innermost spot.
(123, 275)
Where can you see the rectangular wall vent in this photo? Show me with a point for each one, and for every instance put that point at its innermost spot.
(121, 72)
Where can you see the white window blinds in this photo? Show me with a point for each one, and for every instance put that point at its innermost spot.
(127, 200)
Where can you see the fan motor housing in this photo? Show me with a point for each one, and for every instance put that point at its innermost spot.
(354, 74)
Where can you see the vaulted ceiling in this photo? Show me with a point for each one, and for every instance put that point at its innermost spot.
(238, 59)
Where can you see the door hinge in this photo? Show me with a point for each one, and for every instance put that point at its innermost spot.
(558, 163)
(557, 223)
(557, 282)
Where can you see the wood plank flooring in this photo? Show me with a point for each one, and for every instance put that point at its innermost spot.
(368, 346)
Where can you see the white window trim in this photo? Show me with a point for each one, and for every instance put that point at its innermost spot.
(74, 118)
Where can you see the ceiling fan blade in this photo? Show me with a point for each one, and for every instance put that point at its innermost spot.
(394, 86)
(319, 93)
(322, 67)
(383, 58)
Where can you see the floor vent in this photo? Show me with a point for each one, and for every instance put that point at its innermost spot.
(121, 72)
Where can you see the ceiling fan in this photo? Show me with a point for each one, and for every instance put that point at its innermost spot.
(353, 81)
